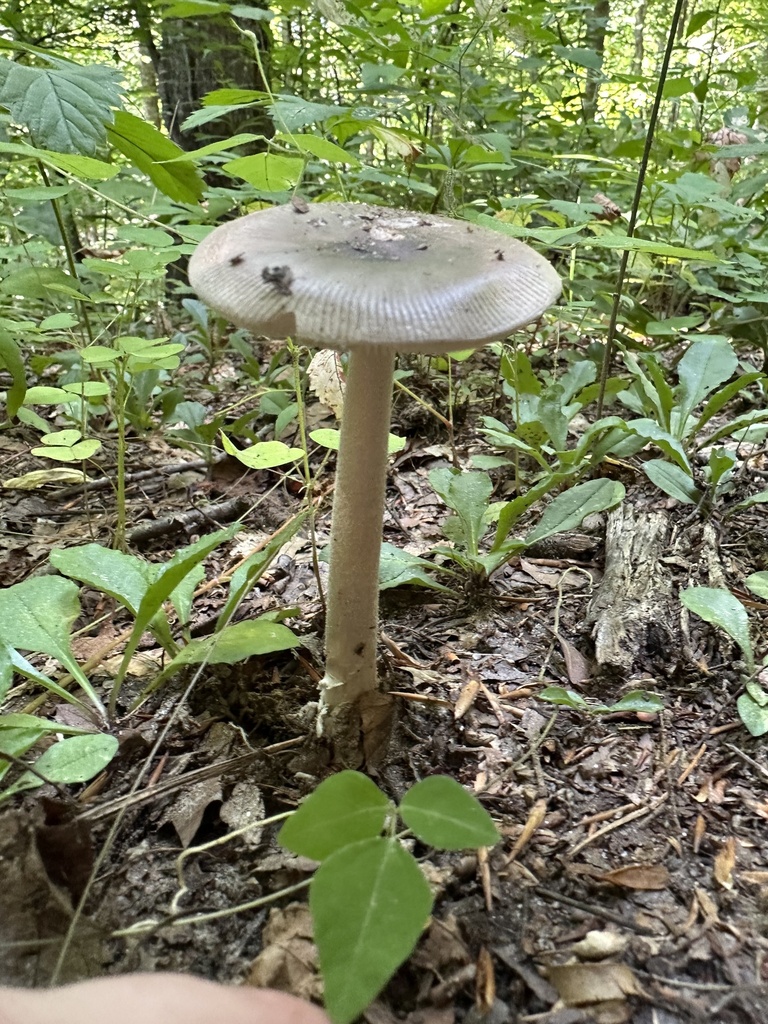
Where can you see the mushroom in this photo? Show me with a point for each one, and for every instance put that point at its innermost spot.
(370, 281)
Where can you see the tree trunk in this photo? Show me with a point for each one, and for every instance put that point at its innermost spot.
(596, 31)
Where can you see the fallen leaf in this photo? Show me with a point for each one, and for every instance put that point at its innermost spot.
(243, 810)
(725, 862)
(647, 877)
(591, 984)
(599, 945)
(288, 960)
(326, 379)
(466, 698)
(40, 477)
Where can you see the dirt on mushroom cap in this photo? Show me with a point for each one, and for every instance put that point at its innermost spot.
(345, 275)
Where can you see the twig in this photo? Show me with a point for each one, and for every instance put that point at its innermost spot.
(613, 825)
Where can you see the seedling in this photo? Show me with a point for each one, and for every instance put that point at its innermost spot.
(722, 609)
(369, 898)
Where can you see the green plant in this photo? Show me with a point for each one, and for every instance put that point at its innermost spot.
(634, 702)
(670, 420)
(369, 898)
(722, 609)
(468, 495)
(37, 616)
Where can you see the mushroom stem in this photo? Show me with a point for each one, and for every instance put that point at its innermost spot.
(352, 621)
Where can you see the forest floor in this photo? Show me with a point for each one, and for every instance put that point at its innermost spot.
(631, 880)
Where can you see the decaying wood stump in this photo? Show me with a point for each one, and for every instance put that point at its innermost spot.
(639, 624)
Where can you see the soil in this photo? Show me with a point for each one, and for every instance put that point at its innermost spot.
(631, 880)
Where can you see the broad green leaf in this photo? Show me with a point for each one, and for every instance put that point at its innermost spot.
(19, 664)
(125, 578)
(79, 166)
(569, 699)
(67, 446)
(344, 809)
(330, 438)
(704, 366)
(148, 149)
(649, 430)
(723, 396)
(370, 903)
(37, 616)
(235, 643)
(468, 495)
(569, 509)
(70, 761)
(753, 714)
(263, 454)
(11, 360)
(316, 145)
(758, 582)
(64, 106)
(268, 172)
(673, 480)
(193, 9)
(39, 193)
(638, 701)
(169, 577)
(443, 814)
(398, 568)
(722, 609)
(754, 499)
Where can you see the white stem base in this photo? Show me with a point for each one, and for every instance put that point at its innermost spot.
(352, 622)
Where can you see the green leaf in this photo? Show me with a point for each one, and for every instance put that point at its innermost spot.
(37, 615)
(64, 106)
(649, 430)
(704, 365)
(329, 437)
(69, 761)
(673, 480)
(263, 454)
(268, 172)
(468, 495)
(443, 814)
(316, 145)
(370, 903)
(147, 149)
(125, 578)
(758, 582)
(344, 809)
(569, 699)
(638, 701)
(169, 577)
(569, 509)
(753, 714)
(193, 9)
(10, 358)
(67, 446)
(398, 568)
(722, 609)
(754, 499)
(723, 396)
(235, 643)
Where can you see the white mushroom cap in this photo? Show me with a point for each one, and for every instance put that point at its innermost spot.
(347, 275)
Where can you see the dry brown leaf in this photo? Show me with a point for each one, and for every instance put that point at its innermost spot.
(591, 984)
(241, 811)
(600, 945)
(288, 960)
(327, 379)
(536, 815)
(466, 698)
(698, 831)
(648, 877)
(442, 947)
(485, 983)
(576, 665)
(725, 862)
